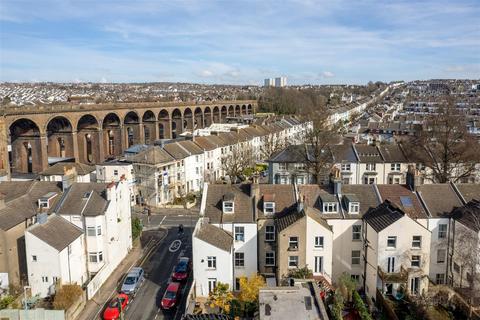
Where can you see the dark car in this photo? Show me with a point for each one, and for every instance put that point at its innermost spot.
(170, 298)
(182, 269)
(112, 312)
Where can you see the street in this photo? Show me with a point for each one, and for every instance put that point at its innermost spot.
(158, 269)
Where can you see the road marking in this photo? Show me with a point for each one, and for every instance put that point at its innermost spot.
(162, 220)
(175, 245)
(182, 252)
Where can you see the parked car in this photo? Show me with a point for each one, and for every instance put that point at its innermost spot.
(170, 297)
(112, 312)
(182, 269)
(132, 281)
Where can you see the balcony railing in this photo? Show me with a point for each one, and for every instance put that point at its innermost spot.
(393, 277)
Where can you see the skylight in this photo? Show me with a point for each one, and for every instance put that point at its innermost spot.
(406, 201)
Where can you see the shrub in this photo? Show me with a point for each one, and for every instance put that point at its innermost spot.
(302, 273)
(360, 306)
(136, 227)
(338, 306)
(6, 301)
(66, 296)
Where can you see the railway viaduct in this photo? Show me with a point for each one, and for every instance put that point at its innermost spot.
(92, 133)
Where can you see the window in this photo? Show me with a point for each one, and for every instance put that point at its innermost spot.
(45, 279)
(34, 258)
(319, 242)
(391, 242)
(283, 180)
(318, 264)
(330, 207)
(269, 207)
(355, 257)
(417, 242)
(95, 257)
(237, 284)
(391, 264)
(442, 231)
(212, 283)
(415, 261)
(239, 259)
(395, 166)
(270, 258)
(355, 277)
(441, 255)
(369, 180)
(300, 180)
(228, 207)
(43, 203)
(212, 262)
(282, 166)
(346, 167)
(440, 278)
(115, 172)
(414, 285)
(293, 243)
(354, 207)
(239, 233)
(293, 261)
(356, 232)
(370, 166)
(270, 233)
(300, 166)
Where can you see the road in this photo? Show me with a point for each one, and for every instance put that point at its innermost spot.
(158, 269)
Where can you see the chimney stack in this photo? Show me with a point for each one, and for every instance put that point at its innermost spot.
(69, 177)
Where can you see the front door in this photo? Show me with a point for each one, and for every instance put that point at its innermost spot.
(212, 283)
(414, 285)
(390, 264)
(318, 264)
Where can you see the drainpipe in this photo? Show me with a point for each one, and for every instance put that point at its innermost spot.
(365, 245)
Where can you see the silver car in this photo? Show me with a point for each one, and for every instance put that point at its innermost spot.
(132, 281)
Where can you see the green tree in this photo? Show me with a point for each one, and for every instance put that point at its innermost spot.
(301, 273)
(136, 227)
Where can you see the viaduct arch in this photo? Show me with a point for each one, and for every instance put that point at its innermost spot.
(93, 133)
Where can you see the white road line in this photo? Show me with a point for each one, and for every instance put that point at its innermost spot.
(162, 220)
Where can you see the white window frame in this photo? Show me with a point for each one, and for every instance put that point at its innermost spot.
(212, 262)
(293, 262)
(330, 207)
(416, 242)
(354, 207)
(228, 207)
(91, 231)
(269, 207)
(95, 257)
(444, 255)
(356, 260)
(272, 256)
(442, 234)
(395, 167)
(282, 166)
(416, 261)
(240, 260)
(394, 238)
(270, 234)
(440, 278)
(371, 167)
(240, 233)
(356, 233)
(347, 167)
(293, 244)
(319, 242)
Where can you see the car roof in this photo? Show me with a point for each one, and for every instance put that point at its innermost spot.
(173, 286)
(134, 271)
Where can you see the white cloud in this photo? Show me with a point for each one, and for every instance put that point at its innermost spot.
(327, 74)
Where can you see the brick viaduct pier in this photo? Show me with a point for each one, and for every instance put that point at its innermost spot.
(91, 133)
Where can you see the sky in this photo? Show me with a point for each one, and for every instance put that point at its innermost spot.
(238, 42)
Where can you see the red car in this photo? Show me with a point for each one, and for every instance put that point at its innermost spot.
(181, 270)
(112, 312)
(170, 297)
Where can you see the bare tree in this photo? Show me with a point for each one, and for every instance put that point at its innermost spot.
(317, 142)
(271, 145)
(237, 160)
(445, 147)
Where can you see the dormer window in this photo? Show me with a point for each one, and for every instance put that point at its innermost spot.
(228, 204)
(269, 207)
(45, 201)
(269, 203)
(354, 207)
(330, 207)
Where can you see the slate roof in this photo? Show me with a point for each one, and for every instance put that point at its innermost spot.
(311, 195)
(21, 200)
(397, 194)
(366, 195)
(77, 202)
(284, 197)
(243, 211)
(286, 219)
(56, 232)
(392, 153)
(383, 216)
(367, 153)
(215, 236)
(58, 169)
(191, 147)
(153, 155)
(205, 143)
(469, 215)
(176, 151)
(439, 199)
(343, 153)
(469, 191)
(292, 154)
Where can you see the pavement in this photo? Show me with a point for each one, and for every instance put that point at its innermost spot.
(95, 306)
